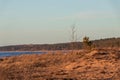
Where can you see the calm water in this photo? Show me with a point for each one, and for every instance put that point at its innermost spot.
(7, 54)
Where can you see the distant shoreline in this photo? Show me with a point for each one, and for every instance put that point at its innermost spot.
(102, 43)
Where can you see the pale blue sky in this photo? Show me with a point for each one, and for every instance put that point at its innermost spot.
(49, 21)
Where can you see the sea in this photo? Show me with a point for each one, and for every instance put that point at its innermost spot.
(17, 53)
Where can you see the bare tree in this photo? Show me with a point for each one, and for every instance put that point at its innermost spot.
(73, 37)
(73, 33)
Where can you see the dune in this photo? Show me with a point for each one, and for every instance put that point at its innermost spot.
(98, 64)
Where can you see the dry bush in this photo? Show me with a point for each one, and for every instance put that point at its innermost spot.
(3, 75)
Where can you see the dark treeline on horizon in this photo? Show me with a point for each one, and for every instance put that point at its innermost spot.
(102, 43)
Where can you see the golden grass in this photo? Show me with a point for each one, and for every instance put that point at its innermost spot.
(80, 65)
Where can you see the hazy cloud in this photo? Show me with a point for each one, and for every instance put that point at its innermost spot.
(89, 15)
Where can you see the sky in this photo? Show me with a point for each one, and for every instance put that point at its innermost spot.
(50, 21)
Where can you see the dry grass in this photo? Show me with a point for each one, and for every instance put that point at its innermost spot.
(83, 65)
